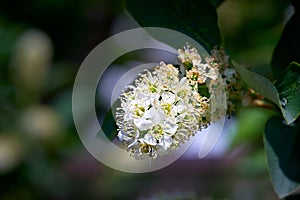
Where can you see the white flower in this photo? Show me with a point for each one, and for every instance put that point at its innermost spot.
(189, 55)
(150, 118)
(210, 72)
(162, 110)
(157, 113)
(213, 73)
(165, 142)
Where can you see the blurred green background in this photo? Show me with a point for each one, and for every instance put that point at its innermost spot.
(42, 44)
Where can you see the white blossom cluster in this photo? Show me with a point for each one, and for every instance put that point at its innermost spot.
(164, 109)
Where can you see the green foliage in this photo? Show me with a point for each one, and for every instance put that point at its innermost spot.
(285, 94)
(288, 86)
(259, 83)
(197, 19)
(282, 141)
(288, 47)
(282, 146)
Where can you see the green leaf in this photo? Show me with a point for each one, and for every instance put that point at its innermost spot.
(288, 48)
(285, 95)
(109, 126)
(282, 146)
(259, 83)
(288, 86)
(197, 19)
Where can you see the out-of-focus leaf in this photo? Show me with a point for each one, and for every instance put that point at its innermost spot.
(8, 35)
(285, 96)
(216, 3)
(197, 19)
(109, 126)
(288, 87)
(250, 124)
(288, 48)
(282, 146)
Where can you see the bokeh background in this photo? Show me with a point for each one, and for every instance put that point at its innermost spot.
(42, 44)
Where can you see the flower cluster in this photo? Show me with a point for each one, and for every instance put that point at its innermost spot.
(164, 109)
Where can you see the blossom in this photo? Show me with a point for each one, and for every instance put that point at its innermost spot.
(158, 113)
(164, 108)
(221, 81)
(189, 55)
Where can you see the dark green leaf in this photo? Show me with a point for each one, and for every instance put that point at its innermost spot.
(109, 124)
(197, 19)
(288, 87)
(286, 94)
(282, 145)
(288, 48)
(216, 3)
